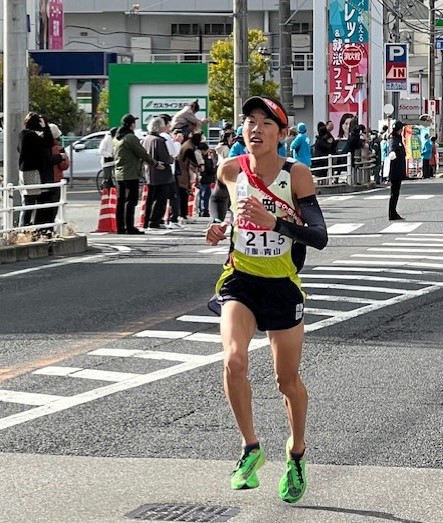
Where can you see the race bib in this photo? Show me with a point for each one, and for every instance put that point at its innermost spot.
(256, 241)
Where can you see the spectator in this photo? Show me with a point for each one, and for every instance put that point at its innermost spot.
(189, 165)
(174, 141)
(129, 155)
(223, 147)
(59, 168)
(35, 140)
(426, 153)
(324, 145)
(433, 162)
(159, 180)
(301, 145)
(207, 179)
(186, 120)
(238, 147)
(106, 152)
(330, 126)
(292, 133)
(396, 166)
(354, 142)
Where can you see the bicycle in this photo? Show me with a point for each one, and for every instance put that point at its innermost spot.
(103, 181)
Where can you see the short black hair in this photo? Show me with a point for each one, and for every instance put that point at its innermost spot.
(166, 117)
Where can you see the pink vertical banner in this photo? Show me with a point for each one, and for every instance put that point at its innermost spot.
(56, 22)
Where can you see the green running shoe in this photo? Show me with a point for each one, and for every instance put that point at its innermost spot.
(293, 483)
(245, 473)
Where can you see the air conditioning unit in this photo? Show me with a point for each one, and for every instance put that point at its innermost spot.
(301, 43)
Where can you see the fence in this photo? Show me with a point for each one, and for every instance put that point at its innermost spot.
(8, 210)
(339, 169)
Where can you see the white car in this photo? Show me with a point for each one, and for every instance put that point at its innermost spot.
(85, 158)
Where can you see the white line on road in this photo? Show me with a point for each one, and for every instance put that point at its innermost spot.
(365, 277)
(346, 299)
(87, 374)
(420, 197)
(366, 269)
(401, 227)
(145, 354)
(199, 319)
(407, 243)
(402, 256)
(364, 288)
(378, 197)
(172, 335)
(390, 263)
(336, 198)
(344, 228)
(27, 398)
(399, 248)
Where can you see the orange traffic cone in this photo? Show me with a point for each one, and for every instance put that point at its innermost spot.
(108, 206)
(192, 201)
(141, 219)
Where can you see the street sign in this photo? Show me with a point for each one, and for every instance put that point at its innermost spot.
(439, 44)
(388, 109)
(414, 88)
(352, 55)
(396, 67)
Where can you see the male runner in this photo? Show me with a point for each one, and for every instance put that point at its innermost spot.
(260, 287)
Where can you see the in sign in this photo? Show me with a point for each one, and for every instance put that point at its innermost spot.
(352, 55)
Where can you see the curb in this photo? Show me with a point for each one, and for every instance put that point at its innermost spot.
(343, 188)
(32, 251)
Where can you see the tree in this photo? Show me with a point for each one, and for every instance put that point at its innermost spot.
(103, 109)
(51, 99)
(221, 74)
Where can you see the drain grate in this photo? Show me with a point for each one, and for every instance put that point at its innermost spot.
(170, 512)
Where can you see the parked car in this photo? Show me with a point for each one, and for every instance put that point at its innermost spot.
(85, 158)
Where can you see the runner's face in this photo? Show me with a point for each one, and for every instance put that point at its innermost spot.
(261, 134)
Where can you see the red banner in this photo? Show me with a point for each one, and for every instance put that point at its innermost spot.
(56, 22)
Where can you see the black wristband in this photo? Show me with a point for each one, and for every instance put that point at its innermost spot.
(278, 223)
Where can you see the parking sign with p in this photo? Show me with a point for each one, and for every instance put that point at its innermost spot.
(396, 67)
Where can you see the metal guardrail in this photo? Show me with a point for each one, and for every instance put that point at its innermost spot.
(339, 169)
(7, 208)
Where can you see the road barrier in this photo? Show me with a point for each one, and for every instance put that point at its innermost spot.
(339, 169)
(8, 211)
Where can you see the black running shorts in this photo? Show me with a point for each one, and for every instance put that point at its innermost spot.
(277, 303)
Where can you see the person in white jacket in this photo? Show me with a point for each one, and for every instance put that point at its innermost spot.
(106, 152)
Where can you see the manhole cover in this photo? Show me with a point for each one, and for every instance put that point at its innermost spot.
(169, 512)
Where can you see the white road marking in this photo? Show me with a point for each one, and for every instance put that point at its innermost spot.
(173, 335)
(347, 299)
(87, 374)
(365, 310)
(145, 354)
(27, 398)
(322, 312)
(378, 197)
(391, 263)
(199, 319)
(365, 277)
(402, 256)
(401, 227)
(336, 198)
(375, 235)
(399, 248)
(420, 197)
(364, 288)
(421, 234)
(407, 243)
(60, 404)
(53, 370)
(71, 261)
(344, 228)
(366, 269)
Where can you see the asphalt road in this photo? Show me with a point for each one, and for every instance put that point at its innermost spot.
(110, 374)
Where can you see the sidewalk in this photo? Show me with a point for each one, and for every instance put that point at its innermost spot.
(69, 489)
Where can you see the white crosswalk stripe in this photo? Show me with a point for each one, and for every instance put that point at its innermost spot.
(344, 228)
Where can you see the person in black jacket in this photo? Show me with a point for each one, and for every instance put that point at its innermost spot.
(35, 162)
(324, 145)
(397, 167)
(207, 178)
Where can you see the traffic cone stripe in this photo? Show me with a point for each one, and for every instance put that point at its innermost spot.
(108, 206)
(141, 218)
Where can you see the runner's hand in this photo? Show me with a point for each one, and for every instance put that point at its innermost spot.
(160, 166)
(253, 210)
(216, 233)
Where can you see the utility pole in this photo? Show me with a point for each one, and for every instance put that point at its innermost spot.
(241, 56)
(431, 53)
(396, 38)
(16, 97)
(285, 48)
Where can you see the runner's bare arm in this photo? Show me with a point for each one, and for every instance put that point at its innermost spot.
(314, 232)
